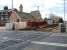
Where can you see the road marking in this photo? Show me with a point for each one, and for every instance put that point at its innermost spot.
(59, 34)
(51, 44)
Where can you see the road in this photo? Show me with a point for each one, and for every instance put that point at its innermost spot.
(32, 40)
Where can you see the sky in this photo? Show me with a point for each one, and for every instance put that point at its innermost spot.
(45, 6)
(65, 7)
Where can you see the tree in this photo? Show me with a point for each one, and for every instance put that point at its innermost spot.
(45, 19)
(60, 20)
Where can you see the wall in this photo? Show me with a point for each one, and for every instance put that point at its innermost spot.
(20, 25)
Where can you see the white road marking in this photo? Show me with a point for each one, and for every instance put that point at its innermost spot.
(59, 34)
(51, 44)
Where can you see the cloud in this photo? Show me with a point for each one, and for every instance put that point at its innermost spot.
(5, 3)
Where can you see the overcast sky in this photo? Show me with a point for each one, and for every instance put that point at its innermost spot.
(45, 6)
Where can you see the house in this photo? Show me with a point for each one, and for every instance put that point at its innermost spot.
(55, 18)
(32, 19)
(4, 17)
(49, 21)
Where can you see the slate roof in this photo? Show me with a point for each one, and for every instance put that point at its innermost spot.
(24, 16)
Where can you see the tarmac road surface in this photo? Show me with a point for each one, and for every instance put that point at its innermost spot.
(32, 40)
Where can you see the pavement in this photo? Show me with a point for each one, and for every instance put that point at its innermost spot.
(32, 40)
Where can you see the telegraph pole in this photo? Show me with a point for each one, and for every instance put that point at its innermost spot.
(64, 9)
(13, 21)
(12, 4)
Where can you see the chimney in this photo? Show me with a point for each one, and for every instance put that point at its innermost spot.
(21, 8)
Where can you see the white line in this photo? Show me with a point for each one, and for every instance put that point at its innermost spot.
(51, 44)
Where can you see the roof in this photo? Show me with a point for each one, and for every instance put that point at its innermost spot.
(24, 15)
